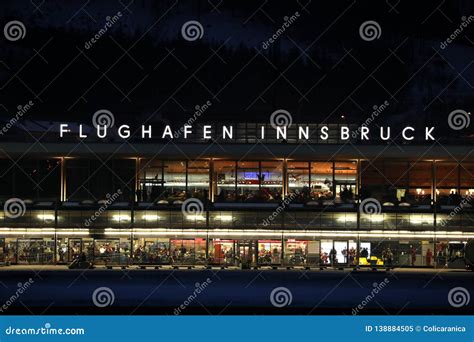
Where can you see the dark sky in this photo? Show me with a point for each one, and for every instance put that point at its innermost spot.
(319, 68)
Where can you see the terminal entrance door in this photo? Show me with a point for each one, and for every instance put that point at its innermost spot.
(74, 248)
(338, 252)
(246, 251)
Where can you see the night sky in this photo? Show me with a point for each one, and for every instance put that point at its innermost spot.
(319, 68)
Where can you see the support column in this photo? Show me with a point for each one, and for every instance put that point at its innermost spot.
(285, 179)
(212, 188)
(63, 180)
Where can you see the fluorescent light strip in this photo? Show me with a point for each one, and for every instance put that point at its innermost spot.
(236, 234)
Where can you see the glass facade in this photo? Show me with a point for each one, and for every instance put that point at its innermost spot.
(254, 212)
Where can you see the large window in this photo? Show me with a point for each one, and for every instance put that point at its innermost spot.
(174, 182)
(198, 179)
(298, 180)
(30, 179)
(171, 182)
(322, 182)
(95, 180)
(224, 181)
(395, 182)
(345, 176)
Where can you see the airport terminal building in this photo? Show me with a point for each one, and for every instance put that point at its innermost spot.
(246, 201)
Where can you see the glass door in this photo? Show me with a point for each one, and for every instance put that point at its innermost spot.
(75, 249)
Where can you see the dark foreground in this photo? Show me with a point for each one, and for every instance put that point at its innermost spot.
(226, 292)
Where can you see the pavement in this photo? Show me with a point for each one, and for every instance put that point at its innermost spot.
(58, 290)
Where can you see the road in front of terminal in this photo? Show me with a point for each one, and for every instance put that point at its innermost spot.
(57, 290)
